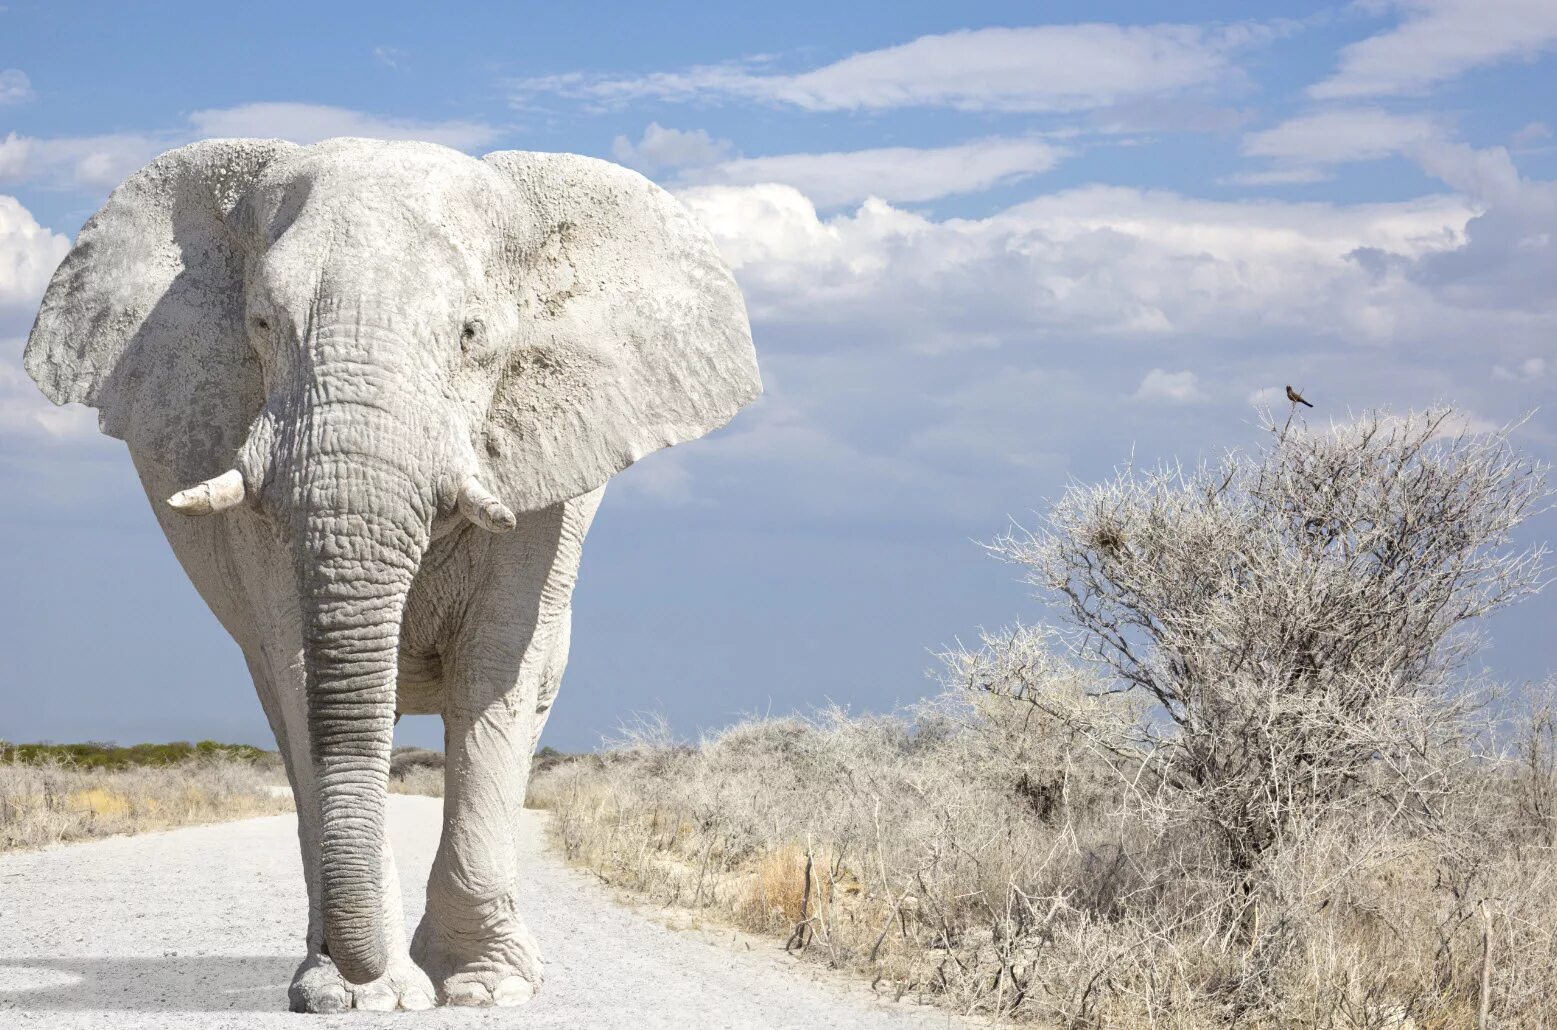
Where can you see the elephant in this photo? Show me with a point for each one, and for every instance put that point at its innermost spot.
(381, 386)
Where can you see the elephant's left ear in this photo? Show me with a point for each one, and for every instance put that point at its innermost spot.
(632, 332)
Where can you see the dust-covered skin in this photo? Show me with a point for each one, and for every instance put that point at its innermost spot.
(374, 392)
(195, 929)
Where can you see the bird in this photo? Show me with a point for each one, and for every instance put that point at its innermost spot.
(1296, 398)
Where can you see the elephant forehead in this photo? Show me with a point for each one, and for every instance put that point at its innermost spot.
(352, 186)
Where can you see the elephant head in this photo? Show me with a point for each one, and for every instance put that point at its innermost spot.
(367, 344)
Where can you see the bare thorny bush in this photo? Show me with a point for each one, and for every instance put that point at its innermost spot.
(1250, 777)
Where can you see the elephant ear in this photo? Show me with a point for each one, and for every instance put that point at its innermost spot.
(632, 332)
(143, 320)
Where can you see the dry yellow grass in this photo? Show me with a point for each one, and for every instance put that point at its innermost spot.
(55, 802)
(935, 874)
(421, 780)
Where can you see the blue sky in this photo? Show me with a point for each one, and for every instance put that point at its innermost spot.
(986, 251)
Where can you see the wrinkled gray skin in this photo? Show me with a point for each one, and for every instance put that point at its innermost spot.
(417, 371)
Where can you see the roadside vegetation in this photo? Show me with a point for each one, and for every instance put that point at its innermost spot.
(1248, 774)
(416, 770)
(56, 793)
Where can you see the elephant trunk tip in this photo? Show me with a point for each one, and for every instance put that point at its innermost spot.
(216, 494)
(359, 965)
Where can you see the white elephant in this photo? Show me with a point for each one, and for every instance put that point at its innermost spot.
(394, 379)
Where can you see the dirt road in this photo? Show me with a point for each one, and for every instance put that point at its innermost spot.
(201, 928)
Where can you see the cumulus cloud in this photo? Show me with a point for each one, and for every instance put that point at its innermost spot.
(1038, 68)
(1173, 387)
(1438, 40)
(15, 87)
(101, 162)
(662, 148)
(29, 254)
(1508, 261)
(310, 123)
(939, 364)
(902, 174)
(1095, 260)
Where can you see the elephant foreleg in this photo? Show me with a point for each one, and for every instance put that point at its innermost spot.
(472, 940)
(500, 676)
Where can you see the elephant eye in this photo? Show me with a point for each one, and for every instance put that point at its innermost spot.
(261, 323)
(469, 333)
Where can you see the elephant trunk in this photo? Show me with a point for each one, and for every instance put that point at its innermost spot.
(362, 525)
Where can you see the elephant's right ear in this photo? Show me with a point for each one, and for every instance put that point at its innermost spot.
(143, 320)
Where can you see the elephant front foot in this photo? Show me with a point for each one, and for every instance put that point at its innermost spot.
(481, 965)
(318, 986)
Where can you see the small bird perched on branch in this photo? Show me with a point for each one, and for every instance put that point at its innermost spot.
(1296, 398)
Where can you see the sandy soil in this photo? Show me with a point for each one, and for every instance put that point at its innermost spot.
(201, 928)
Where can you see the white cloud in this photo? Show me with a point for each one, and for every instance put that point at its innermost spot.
(15, 87)
(1526, 371)
(1277, 177)
(82, 162)
(662, 148)
(1532, 132)
(388, 56)
(1508, 262)
(1268, 398)
(1488, 175)
(310, 123)
(1173, 387)
(959, 365)
(29, 254)
(1038, 68)
(1350, 134)
(1439, 40)
(26, 414)
(902, 174)
(1093, 261)
(102, 162)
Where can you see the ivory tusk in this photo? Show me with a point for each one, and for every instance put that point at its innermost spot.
(216, 494)
(478, 504)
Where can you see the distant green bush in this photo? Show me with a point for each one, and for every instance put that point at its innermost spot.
(99, 755)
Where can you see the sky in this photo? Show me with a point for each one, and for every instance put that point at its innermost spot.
(987, 249)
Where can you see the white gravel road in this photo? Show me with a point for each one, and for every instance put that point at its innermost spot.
(201, 928)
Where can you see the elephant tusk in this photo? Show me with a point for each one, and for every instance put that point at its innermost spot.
(216, 494)
(478, 504)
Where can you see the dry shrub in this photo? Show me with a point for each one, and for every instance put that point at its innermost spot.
(51, 801)
(1254, 785)
(424, 779)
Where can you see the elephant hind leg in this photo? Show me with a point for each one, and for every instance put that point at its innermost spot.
(551, 675)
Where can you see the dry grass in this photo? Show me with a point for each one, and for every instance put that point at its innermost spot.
(943, 859)
(54, 802)
(423, 780)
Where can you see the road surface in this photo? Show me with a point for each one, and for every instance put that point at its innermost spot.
(201, 927)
